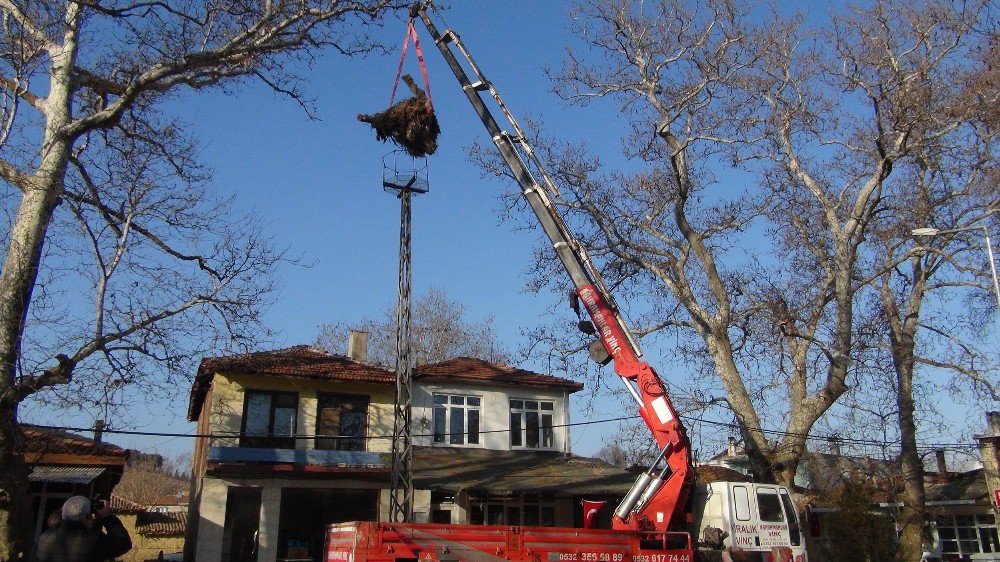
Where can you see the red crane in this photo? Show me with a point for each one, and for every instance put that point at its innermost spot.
(657, 499)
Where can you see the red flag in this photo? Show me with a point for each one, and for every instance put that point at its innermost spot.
(590, 510)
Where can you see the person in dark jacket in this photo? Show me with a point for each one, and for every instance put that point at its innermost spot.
(84, 536)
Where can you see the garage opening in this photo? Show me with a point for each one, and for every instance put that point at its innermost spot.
(305, 513)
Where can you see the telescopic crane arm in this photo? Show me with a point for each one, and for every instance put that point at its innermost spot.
(657, 500)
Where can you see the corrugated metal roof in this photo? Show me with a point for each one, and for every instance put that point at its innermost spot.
(68, 474)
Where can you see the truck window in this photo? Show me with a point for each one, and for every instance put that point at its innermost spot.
(793, 520)
(769, 506)
(741, 501)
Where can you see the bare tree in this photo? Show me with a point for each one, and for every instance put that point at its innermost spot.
(768, 149)
(81, 134)
(950, 187)
(147, 481)
(439, 330)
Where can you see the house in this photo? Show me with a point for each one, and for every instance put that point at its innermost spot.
(170, 503)
(294, 439)
(64, 464)
(962, 507)
(962, 516)
(817, 472)
(152, 532)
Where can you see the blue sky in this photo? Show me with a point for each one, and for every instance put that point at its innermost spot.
(318, 186)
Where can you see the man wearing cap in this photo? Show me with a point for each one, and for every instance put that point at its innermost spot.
(84, 535)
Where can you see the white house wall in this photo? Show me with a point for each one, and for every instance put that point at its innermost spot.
(494, 413)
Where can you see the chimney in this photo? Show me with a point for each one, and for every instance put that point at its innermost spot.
(994, 420)
(732, 446)
(942, 466)
(98, 430)
(835, 445)
(357, 346)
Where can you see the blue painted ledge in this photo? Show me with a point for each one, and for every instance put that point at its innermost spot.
(297, 456)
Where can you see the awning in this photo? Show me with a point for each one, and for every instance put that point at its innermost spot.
(488, 471)
(67, 474)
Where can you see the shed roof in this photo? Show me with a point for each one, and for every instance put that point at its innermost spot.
(65, 474)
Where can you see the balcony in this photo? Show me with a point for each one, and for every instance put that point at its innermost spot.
(250, 460)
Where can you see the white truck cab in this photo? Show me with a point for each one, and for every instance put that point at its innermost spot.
(753, 517)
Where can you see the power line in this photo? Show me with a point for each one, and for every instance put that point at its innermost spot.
(731, 426)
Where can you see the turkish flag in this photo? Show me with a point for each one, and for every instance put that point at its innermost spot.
(590, 510)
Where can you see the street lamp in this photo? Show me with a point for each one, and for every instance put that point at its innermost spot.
(930, 231)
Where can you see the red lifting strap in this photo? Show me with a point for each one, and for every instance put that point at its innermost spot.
(411, 33)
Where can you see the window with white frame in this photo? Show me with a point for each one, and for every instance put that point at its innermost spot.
(968, 534)
(456, 419)
(531, 423)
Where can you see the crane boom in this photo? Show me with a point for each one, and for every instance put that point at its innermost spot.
(657, 499)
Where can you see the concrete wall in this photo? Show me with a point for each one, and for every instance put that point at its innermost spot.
(147, 548)
(212, 515)
(421, 506)
(989, 450)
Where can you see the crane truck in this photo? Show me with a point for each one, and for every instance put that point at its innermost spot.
(657, 517)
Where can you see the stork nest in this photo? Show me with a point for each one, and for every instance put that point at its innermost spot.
(410, 123)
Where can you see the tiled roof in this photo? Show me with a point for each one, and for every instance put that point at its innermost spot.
(469, 369)
(453, 469)
(828, 472)
(707, 473)
(960, 487)
(45, 440)
(152, 524)
(301, 361)
(123, 505)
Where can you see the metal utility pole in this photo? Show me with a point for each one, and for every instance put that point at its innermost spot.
(404, 185)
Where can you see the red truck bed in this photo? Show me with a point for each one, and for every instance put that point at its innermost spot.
(366, 541)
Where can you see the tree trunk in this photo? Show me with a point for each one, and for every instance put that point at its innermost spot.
(41, 195)
(15, 495)
(902, 339)
(911, 517)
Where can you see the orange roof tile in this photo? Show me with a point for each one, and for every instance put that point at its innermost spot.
(467, 368)
(301, 361)
(40, 439)
(124, 505)
(152, 524)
